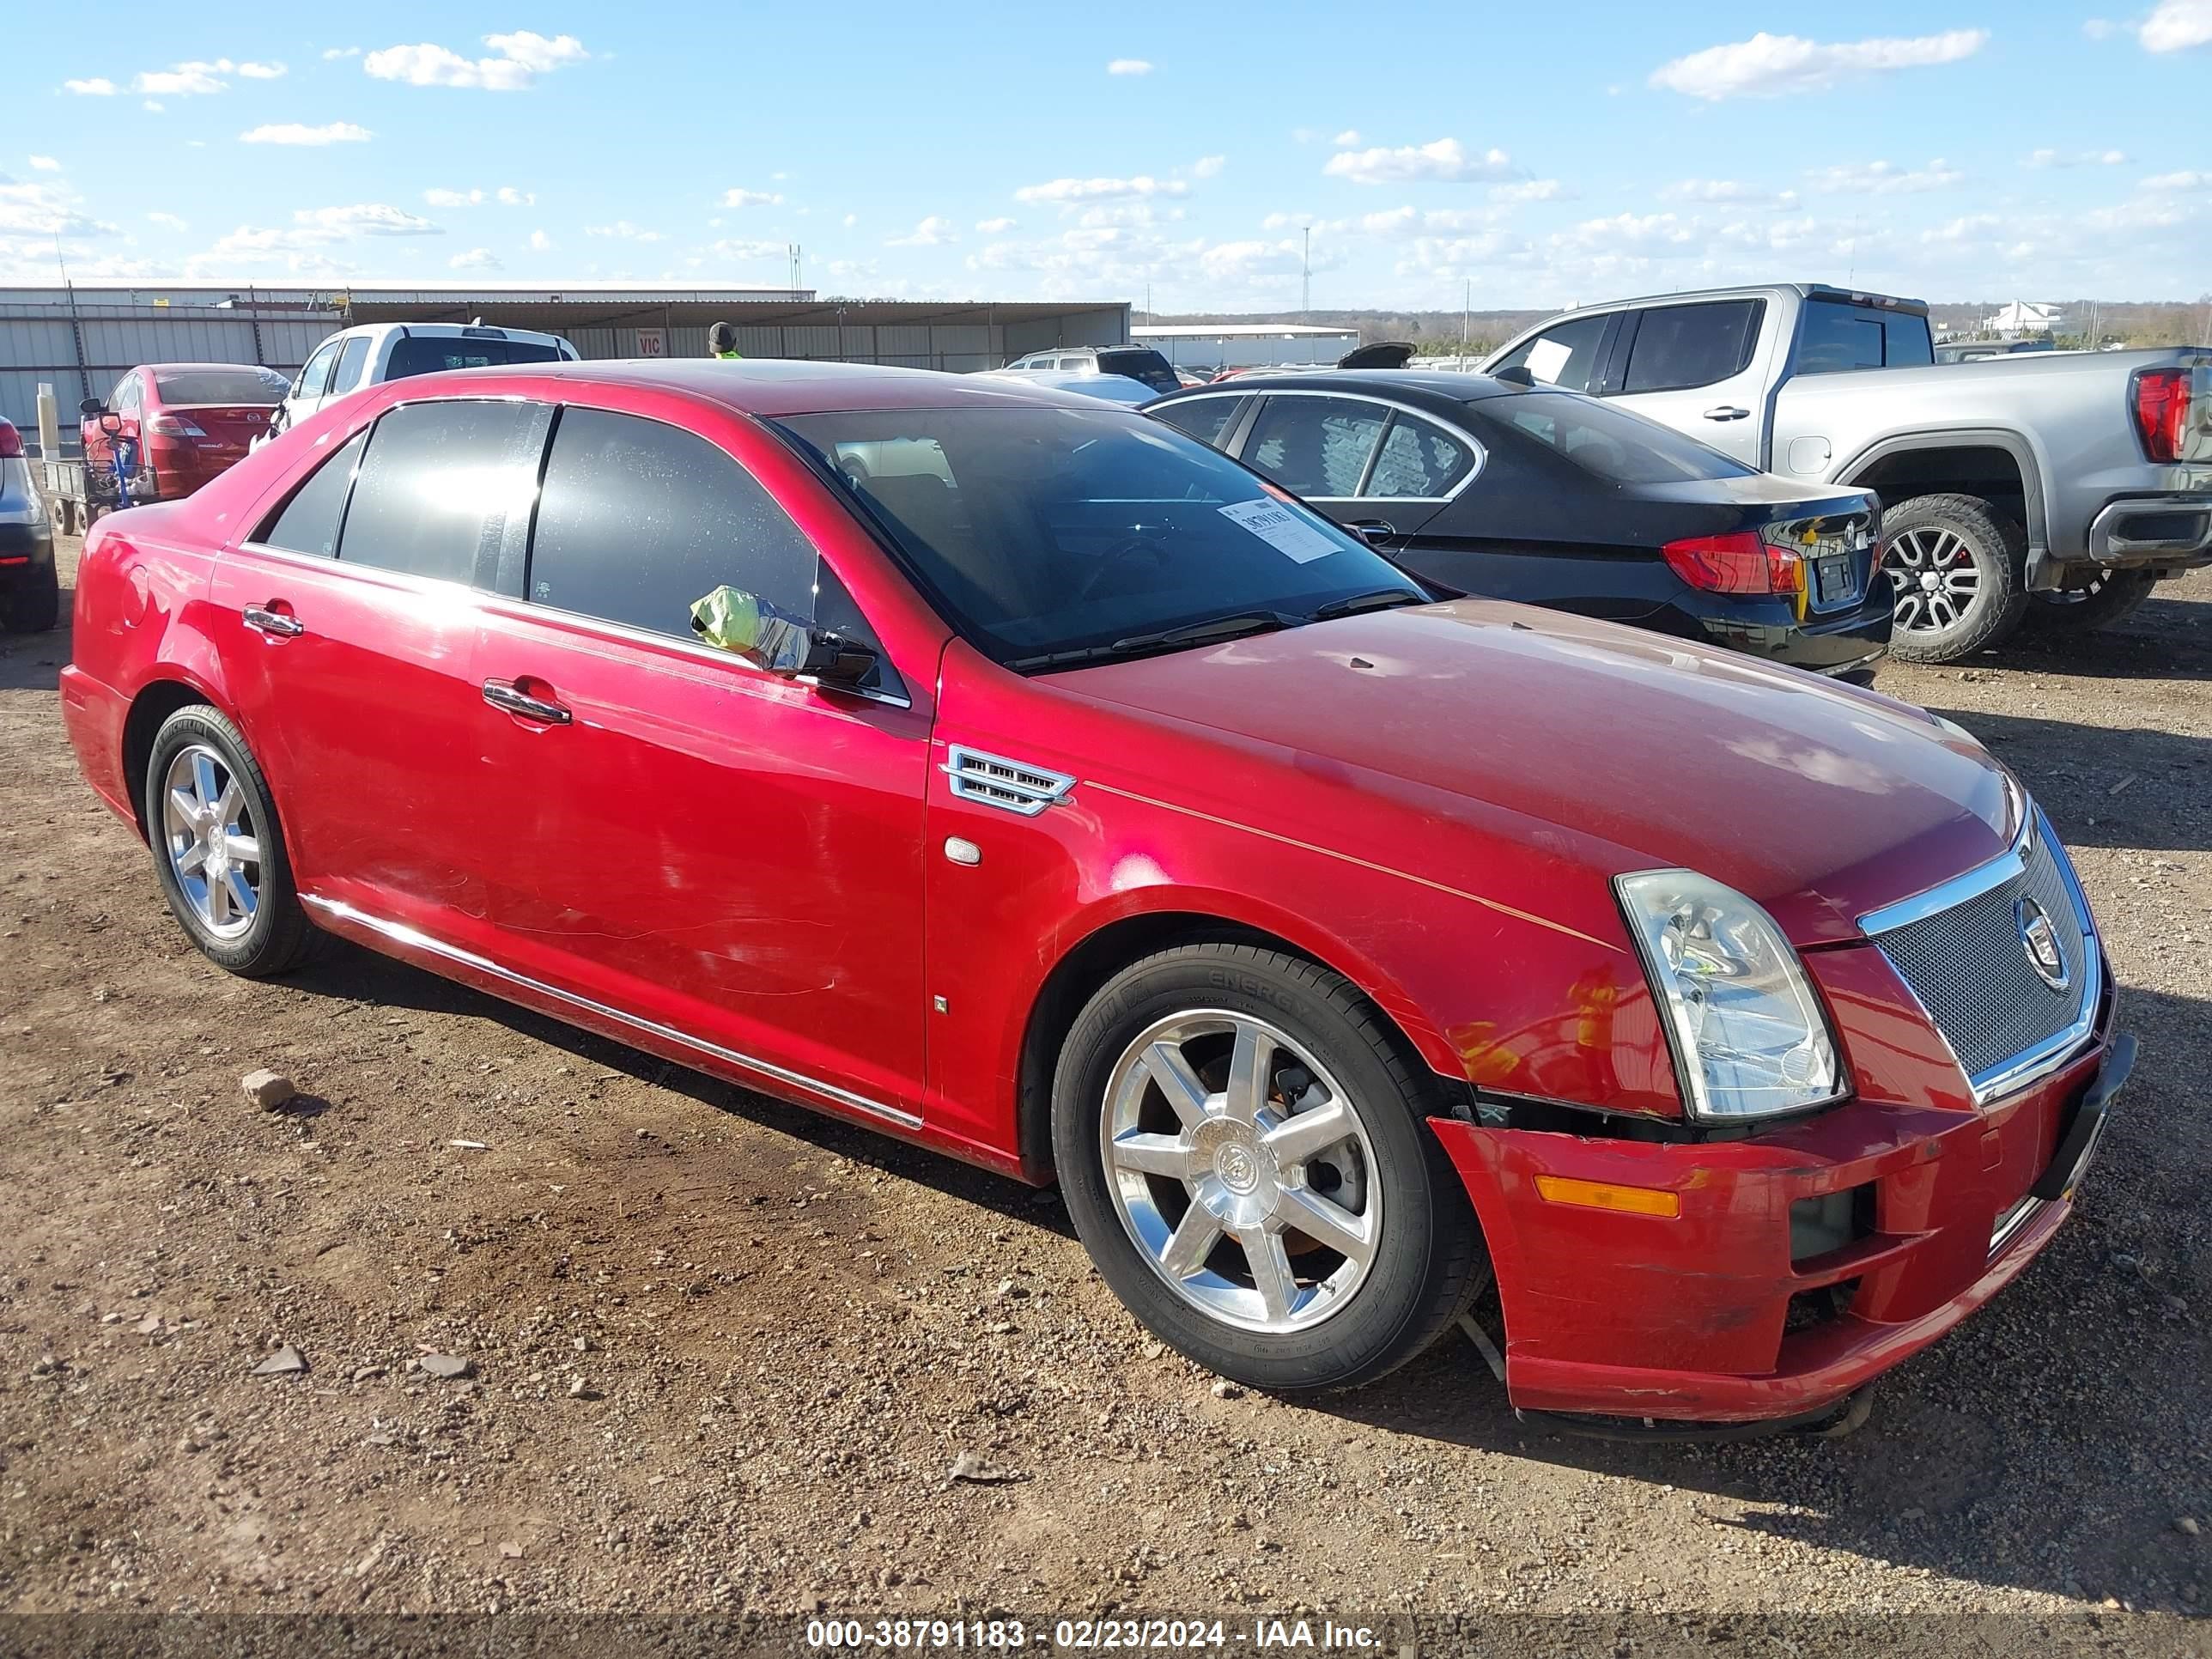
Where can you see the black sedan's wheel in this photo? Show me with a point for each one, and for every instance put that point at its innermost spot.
(2107, 599)
(1958, 571)
(217, 848)
(1241, 1145)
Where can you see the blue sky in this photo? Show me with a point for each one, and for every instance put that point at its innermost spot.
(1952, 148)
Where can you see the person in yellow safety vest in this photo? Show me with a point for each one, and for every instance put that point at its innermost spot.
(722, 341)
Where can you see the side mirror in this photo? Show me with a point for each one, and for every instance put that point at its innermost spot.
(772, 639)
(90, 407)
(111, 422)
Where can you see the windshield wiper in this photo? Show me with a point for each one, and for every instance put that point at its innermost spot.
(1381, 599)
(1166, 639)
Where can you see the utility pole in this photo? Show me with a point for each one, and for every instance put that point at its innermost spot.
(1305, 278)
(1466, 309)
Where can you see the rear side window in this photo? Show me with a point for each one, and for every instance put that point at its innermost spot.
(1565, 357)
(1419, 460)
(1606, 443)
(439, 484)
(1315, 446)
(1207, 419)
(1682, 346)
(308, 523)
(1836, 338)
(638, 520)
(422, 353)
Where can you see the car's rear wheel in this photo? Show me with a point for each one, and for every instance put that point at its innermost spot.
(2105, 601)
(33, 603)
(1958, 573)
(1240, 1140)
(218, 850)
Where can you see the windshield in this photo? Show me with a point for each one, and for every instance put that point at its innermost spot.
(1608, 444)
(1140, 363)
(1046, 531)
(421, 354)
(186, 388)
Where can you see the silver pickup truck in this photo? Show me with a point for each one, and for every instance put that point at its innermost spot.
(2054, 486)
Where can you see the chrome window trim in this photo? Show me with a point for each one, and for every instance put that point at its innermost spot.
(1475, 445)
(415, 938)
(2033, 1064)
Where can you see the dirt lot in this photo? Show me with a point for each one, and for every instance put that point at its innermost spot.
(722, 1352)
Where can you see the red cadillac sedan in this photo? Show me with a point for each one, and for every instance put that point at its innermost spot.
(1014, 775)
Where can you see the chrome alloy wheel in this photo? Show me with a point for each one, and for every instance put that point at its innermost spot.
(213, 845)
(1932, 572)
(1241, 1169)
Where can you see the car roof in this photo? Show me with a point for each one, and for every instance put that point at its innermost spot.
(770, 386)
(1437, 385)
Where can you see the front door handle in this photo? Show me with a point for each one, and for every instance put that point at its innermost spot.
(1727, 412)
(505, 694)
(282, 623)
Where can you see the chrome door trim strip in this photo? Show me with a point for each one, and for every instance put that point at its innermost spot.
(415, 939)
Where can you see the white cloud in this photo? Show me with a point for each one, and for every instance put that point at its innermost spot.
(1963, 228)
(97, 86)
(933, 232)
(1444, 162)
(1128, 66)
(333, 54)
(1208, 166)
(477, 259)
(44, 211)
(2077, 158)
(740, 198)
(452, 197)
(1286, 220)
(291, 132)
(540, 242)
(518, 60)
(852, 218)
(365, 219)
(508, 196)
(1727, 190)
(44, 164)
(1884, 178)
(2176, 25)
(151, 104)
(193, 80)
(1347, 139)
(1534, 190)
(1775, 65)
(988, 226)
(2100, 28)
(1093, 190)
(742, 248)
(167, 221)
(1246, 262)
(2178, 181)
(623, 231)
(262, 71)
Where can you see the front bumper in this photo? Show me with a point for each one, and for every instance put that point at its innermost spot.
(1704, 1316)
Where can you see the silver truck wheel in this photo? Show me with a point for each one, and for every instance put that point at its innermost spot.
(1957, 570)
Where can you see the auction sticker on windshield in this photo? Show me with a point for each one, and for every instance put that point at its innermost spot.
(1281, 529)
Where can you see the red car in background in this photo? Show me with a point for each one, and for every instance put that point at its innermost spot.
(193, 422)
(1015, 775)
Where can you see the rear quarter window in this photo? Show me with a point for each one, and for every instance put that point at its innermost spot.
(1608, 444)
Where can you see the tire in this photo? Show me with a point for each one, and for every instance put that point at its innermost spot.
(1325, 1318)
(1976, 562)
(197, 751)
(34, 603)
(2109, 599)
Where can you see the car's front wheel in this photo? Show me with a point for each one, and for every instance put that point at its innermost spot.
(218, 850)
(1240, 1141)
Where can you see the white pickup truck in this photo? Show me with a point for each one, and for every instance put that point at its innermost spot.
(2052, 486)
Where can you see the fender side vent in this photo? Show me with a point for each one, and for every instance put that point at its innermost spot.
(997, 781)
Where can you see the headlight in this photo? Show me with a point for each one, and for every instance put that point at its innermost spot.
(1745, 1026)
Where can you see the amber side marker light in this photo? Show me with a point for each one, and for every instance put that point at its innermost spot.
(1596, 1195)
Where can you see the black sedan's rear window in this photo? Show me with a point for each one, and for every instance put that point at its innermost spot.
(1609, 443)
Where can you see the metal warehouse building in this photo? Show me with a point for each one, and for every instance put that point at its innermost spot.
(1246, 345)
(80, 339)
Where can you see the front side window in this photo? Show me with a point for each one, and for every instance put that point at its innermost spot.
(1207, 419)
(1565, 357)
(316, 376)
(350, 365)
(1052, 535)
(1605, 443)
(308, 523)
(1678, 346)
(439, 484)
(638, 520)
(1315, 447)
(1419, 461)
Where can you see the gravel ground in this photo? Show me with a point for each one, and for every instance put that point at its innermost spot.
(719, 1354)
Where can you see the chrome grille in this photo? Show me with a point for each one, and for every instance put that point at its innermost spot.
(997, 781)
(1970, 967)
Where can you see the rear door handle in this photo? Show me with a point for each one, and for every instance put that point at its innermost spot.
(1373, 531)
(504, 694)
(1727, 412)
(283, 624)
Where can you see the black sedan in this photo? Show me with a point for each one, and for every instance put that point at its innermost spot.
(1520, 492)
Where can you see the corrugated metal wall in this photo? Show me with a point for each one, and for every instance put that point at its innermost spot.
(42, 343)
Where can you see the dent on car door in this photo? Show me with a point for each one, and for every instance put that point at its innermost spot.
(346, 627)
(729, 854)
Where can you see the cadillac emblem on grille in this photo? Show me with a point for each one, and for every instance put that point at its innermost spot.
(2039, 939)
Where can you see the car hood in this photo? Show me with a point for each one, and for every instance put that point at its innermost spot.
(1820, 800)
